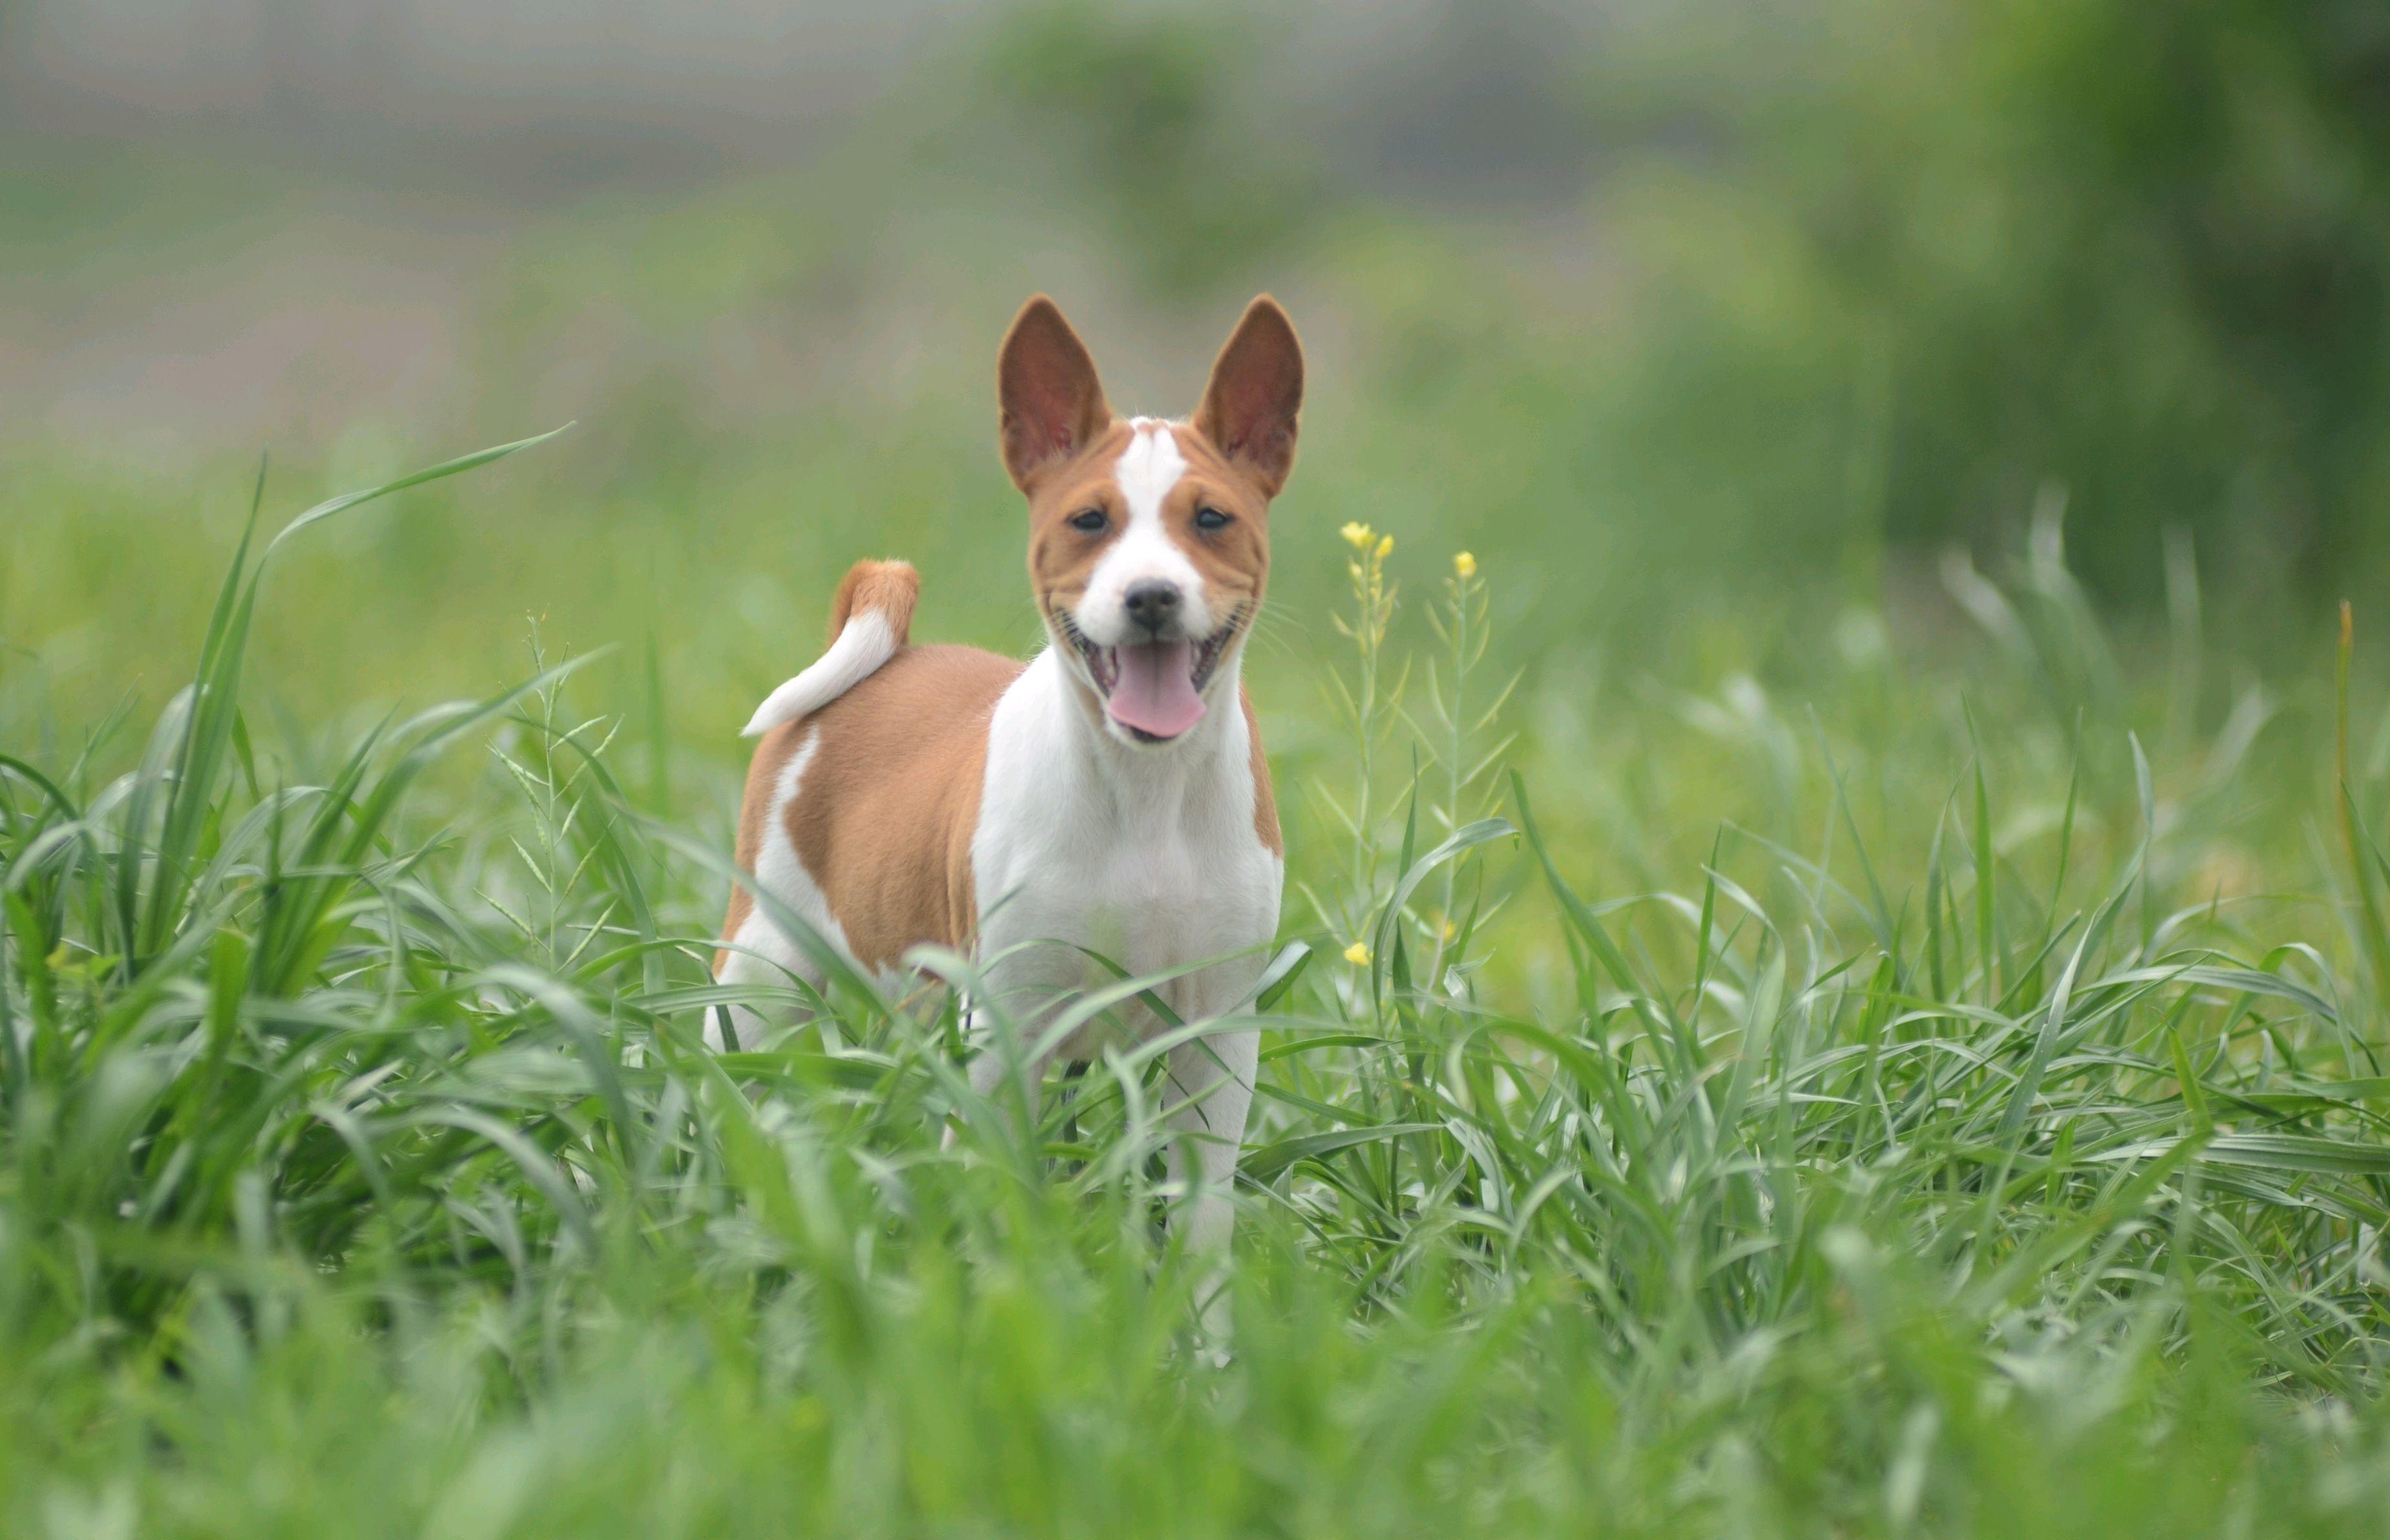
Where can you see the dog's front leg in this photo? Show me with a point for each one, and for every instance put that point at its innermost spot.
(1004, 1075)
(1205, 1102)
(1022, 993)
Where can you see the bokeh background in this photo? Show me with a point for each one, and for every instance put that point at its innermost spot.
(1912, 451)
(1711, 326)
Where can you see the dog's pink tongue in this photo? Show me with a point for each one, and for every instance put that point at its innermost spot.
(1156, 690)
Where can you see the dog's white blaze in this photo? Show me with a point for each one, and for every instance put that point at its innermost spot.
(864, 643)
(762, 953)
(1147, 468)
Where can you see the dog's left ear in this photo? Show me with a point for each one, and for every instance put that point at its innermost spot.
(1250, 408)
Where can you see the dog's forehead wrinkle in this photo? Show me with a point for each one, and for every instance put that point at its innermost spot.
(1148, 468)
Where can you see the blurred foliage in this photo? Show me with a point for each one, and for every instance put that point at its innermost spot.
(1142, 111)
(1711, 323)
(2142, 250)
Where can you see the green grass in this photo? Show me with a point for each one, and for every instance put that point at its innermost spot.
(1935, 1111)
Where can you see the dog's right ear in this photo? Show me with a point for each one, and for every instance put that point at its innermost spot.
(1250, 407)
(1049, 403)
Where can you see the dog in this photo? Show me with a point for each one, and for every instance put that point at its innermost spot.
(1109, 795)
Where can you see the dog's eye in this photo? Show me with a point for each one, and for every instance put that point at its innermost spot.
(1092, 520)
(1211, 518)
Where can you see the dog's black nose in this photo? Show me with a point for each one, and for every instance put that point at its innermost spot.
(1151, 602)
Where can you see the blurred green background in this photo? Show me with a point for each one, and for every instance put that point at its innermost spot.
(1914, 451)
(1708, 327)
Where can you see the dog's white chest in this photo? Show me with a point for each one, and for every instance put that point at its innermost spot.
(1150, 859)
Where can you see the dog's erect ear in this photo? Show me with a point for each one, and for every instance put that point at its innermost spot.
(1256, 392)
(1049, 403)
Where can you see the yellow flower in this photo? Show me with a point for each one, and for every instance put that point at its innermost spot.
(1386, 547)
(1358, 955)
(1357, 535)
(1463, 564)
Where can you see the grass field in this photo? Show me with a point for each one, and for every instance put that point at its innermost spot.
(1924, 1107)
(1836, 961)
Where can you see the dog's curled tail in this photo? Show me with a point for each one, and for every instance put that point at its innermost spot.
(869, 620)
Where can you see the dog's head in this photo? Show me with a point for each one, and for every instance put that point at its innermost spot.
(1149, 540)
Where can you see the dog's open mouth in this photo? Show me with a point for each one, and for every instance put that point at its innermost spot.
(1154, 690)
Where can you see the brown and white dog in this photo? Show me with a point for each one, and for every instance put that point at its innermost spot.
(1110, 794)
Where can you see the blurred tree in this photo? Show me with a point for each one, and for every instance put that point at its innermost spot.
(1147, 111)
(2140, 248)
